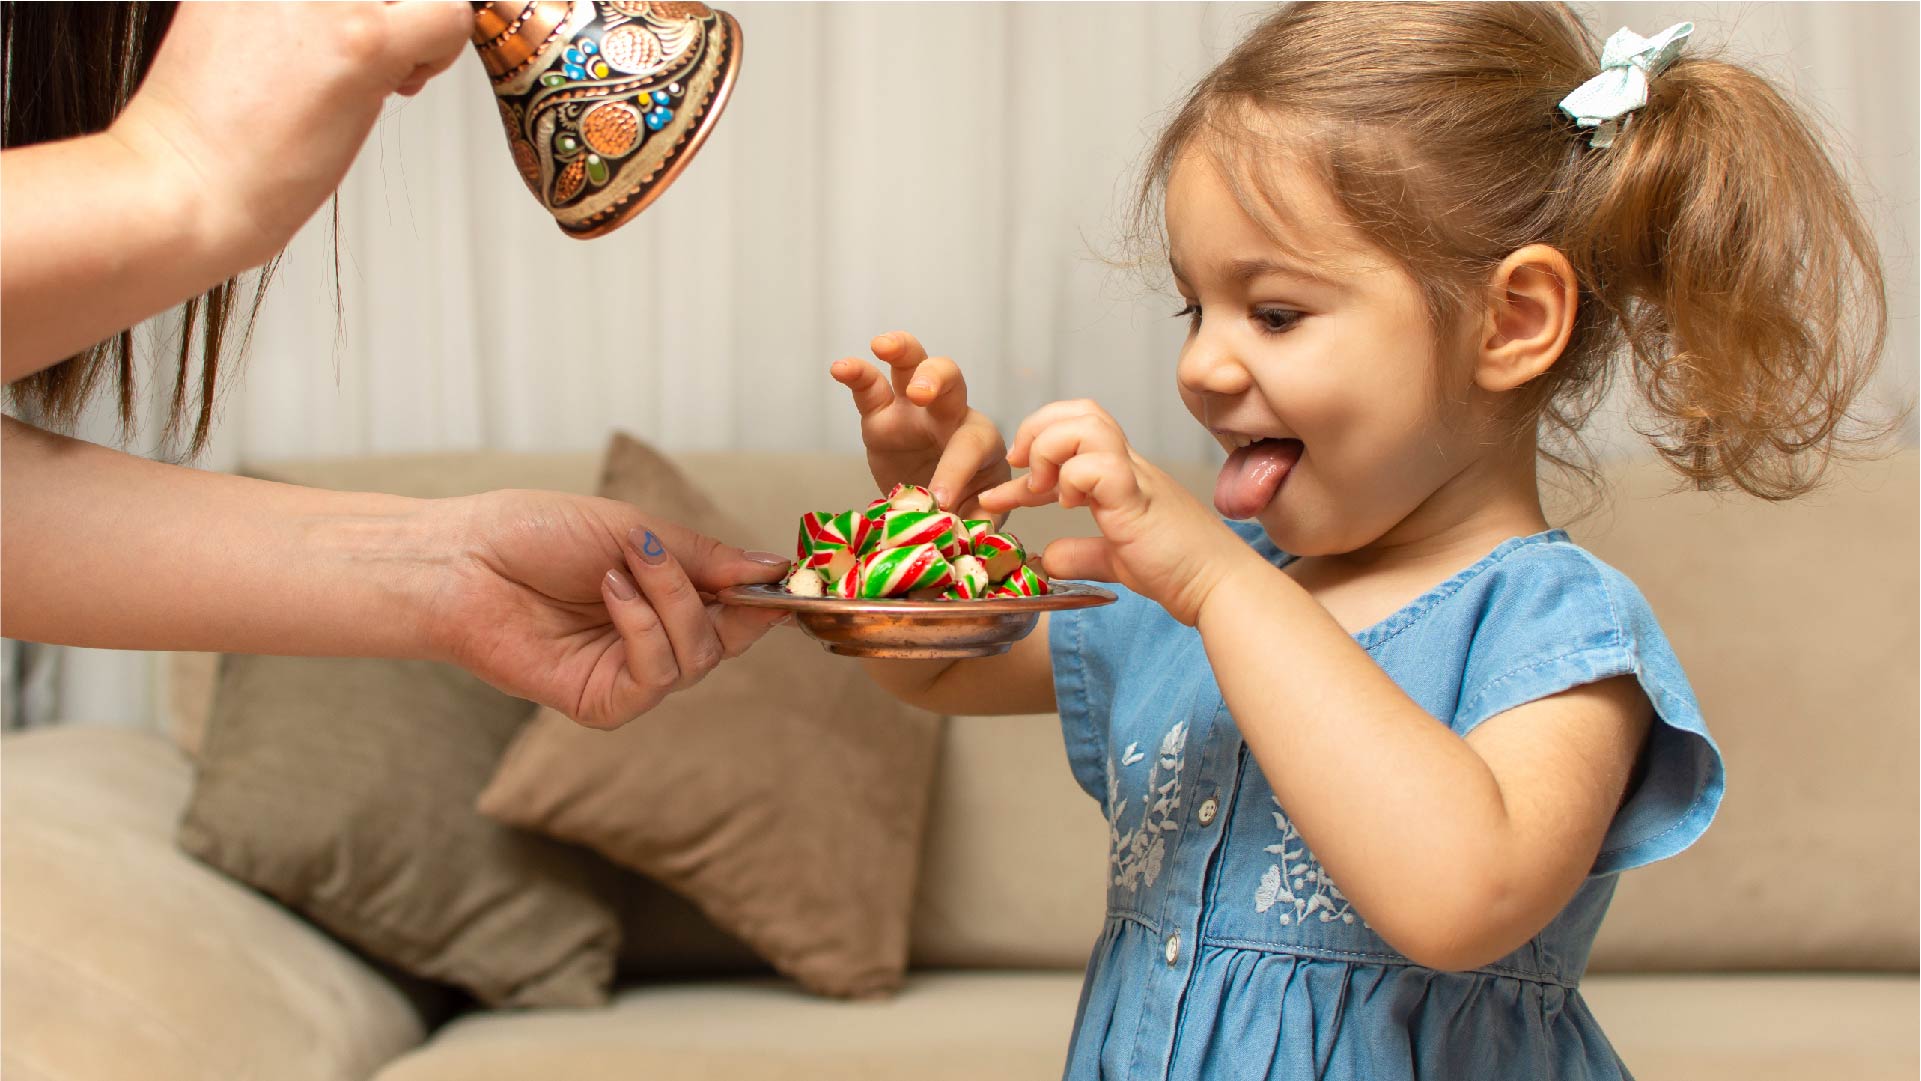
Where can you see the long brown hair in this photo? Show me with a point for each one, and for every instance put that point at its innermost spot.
(1716, 240)
(68, 70)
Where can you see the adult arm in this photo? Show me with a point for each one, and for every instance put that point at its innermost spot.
(246, 122)
(560, 599)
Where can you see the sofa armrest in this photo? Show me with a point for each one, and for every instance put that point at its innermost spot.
(121, 956)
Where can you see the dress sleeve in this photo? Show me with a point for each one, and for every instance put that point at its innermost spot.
(1554, 625)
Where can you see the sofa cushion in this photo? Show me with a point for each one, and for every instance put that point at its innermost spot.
(1797, 625)
(344, 787)
(784, 794)
(121, 957)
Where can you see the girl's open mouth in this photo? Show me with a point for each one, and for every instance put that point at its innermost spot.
(1252, 476)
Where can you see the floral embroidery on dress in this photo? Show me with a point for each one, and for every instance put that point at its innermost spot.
(1136, 855)
(1299, 883)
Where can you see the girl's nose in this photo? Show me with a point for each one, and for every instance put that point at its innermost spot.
(1208, 366)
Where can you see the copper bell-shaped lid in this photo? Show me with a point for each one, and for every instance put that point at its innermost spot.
(605, 102)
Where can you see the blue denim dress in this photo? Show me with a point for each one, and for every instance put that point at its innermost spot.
(1227, 951)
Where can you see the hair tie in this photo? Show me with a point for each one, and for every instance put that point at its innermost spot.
(1628, 61)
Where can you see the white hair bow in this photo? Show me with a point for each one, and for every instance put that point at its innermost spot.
(1628, 61)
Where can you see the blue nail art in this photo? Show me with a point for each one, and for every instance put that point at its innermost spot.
(653, 549)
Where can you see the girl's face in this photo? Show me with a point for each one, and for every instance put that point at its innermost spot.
(1311, 360)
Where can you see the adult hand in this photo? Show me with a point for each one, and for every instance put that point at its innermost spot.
(589, 605)
(917, 426)
(261, 108)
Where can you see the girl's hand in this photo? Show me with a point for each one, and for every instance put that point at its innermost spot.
(1156, 539)
(919, 430)
(258, 109)
(588, 605)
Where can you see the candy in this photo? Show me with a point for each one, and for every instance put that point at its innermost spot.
(892, 572)
(1001, 554)
(822, 533)
(805, 583)
(1024, 582)
(970, 579)
(902, 545)
(907, 528)
(911, 497)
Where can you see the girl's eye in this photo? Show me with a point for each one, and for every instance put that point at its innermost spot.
(1191, 313)
(1275, 320)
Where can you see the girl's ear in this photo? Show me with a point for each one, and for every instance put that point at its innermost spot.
(1530, 314)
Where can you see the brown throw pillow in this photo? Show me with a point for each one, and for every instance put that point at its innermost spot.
(784, 795)
(345, 788)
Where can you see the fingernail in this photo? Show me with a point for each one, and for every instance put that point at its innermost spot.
(622, 586)
(768, 558)
(917, 385)
(648, 545)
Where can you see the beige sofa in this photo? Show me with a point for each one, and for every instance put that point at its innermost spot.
(1783, 946)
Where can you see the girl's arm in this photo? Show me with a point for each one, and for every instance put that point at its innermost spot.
(1457, 850)
(1018, 681)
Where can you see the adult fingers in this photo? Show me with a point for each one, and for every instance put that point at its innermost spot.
(712, 565)
(427, 36)
(902, 352)
(683, 615)
(739, 627)
(651, 667)
(863, 380)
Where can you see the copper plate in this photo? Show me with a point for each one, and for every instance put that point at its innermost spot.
(918, 630)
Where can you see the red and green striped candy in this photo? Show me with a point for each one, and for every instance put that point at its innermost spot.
(970, 579)
(822, 533)
(1000, 553)
(907, 528)
(976, 529)
(894, 572)
(912, 497)
(1025, 582)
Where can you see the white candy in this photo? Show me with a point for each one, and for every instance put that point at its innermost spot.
(806, 582)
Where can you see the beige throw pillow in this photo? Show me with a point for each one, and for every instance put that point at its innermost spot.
(784, 795)
(345, 788)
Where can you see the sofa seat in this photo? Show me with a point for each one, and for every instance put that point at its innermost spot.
(122, 957)
(1014, 1026)
(186, 975)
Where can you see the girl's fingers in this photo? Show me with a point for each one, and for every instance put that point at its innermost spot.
(650, 657)
(1050, 447)
(682, 613)
(974, 449)
(1043, 418)
(1103, 479)
(939, 388)
(1002, 498)
(1089, 559)
(902, 352)
(864, 381)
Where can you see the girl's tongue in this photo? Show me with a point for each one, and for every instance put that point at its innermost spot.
(1252, 475)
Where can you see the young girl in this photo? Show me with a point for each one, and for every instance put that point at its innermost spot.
(1374, 752)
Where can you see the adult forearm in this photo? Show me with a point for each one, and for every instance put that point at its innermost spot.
(95, 236)
(1405, 816)
(105, 549)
